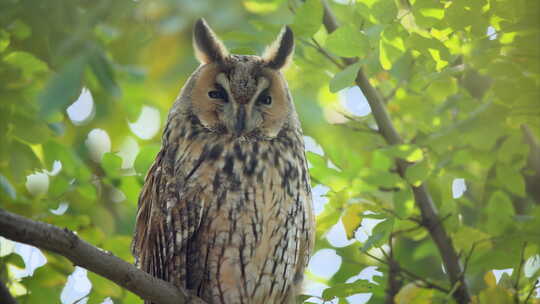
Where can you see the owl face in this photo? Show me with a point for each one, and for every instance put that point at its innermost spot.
(241, 95)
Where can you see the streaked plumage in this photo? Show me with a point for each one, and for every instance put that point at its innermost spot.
(226, 206)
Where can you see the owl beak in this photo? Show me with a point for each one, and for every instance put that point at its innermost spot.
(240, 124)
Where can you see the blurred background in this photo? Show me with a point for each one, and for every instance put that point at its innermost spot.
(85, 88)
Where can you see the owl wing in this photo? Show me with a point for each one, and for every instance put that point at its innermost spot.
(167, 219)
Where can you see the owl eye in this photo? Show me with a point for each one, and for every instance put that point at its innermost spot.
(218, 94)
(264, 98)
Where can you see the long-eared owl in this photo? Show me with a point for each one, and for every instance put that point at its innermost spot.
(226, 207)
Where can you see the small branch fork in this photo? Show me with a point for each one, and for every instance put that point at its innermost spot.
(66, 243)
(407, 273)
(430, 218)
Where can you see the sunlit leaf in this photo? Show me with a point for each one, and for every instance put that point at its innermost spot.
(26, 62)
(308, 18)
(352, 218)
(411, 293)
(63, 88)
(416, 174)
(391, 46)
(103, 71)
(4, 40)
(348, 41)
(344, 78)
(346, 289)
(511, 179)
(20, 30)
(145, 158)
(112, 163)
(379, 235)
(500, 212)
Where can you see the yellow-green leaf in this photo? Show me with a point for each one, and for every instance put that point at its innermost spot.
(352, 218)
(348, 41)
(308, 18)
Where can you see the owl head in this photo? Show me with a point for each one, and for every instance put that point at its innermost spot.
(239, 95)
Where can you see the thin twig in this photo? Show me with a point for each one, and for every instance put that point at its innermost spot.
(393, 283)
(325, 53)
(518, 272)
(468, 258)
(531, 291)
(412, 276)
(423, 199)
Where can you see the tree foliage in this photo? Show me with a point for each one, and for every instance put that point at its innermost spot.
(460, 80)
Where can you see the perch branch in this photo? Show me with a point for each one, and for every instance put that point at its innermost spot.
(66, 243)
(428, 210)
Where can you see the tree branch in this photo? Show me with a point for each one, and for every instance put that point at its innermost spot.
(5, 296)
(103, 263)
(518, 272)
(410, 275)
(393, 285)
(428, 210)
(531, 291)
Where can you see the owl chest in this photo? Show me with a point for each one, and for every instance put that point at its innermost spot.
(254, 199)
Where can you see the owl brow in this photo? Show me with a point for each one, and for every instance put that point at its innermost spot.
(263, 84)
(222, 80)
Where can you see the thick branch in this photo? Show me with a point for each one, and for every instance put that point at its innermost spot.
(394, 283)
(428, 210)
(81, 253)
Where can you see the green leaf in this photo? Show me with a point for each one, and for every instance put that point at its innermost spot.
(342, 290)
(418, 173)
(403, 201)
(101, 67)
(7, 188)
(379, 235)
(4, 40)
(441, 89)
(345, 78)
(391, 46)
(88, 191)
(411, 293)
(63, 88)
(467, 236)
(112, 163)
(308, 18)
(511, 179)
(30, 130)
(383, 179)
(410, 153)
(500, 213)
(20, 30)
(58, 186)
(384, 11)
(427, 12)
(26, 62)
(103, 287)
(352, 218)
(22, 161)
(348, 41)
(145, 158)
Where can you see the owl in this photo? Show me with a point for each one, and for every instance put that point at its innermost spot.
(226, 210)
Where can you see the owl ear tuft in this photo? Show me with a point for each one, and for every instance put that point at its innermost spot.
(208, 48)
(280, 52)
